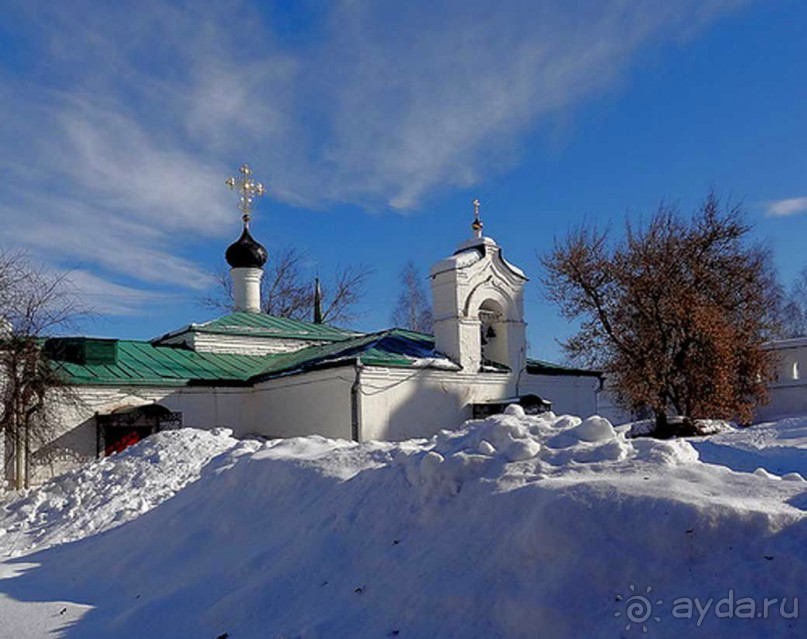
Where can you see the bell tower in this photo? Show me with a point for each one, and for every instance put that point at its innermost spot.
(478, 306)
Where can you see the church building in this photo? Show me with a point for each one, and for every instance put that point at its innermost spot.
(275, 377)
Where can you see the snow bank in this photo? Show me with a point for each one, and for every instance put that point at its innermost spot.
(514, 526)
(776, 447)
(108, 492)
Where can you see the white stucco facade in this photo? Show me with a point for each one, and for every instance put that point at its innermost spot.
(569, 394)
(241, 344)
(398, 404)
(314, 403)
(478, 307)
(787, 394)
(247, 288)
(73, 434)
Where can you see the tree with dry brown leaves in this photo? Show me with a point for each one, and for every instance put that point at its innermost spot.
(675, 313)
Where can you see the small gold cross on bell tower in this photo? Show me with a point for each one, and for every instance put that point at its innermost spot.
(248, 190)
(477, 224)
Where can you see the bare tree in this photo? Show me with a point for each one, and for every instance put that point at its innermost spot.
(286, 292)
(676, 313)
(33, 303)
(412, 310)
(793, 312)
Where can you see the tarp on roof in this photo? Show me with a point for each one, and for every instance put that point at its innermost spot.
(394, 348)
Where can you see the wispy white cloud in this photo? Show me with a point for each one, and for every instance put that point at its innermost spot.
(100, 296)
(70, 232)
(786, 207)
(129, 115)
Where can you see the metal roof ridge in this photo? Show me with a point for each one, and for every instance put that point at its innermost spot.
(177, 331)
(365, 340)
(339, 355)
(534, 361)
(411, 331)
(333, 333)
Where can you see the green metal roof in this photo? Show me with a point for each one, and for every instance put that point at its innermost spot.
(394, 347)
(142, 363)
(152, 364)
(541, 367)
(263, 325)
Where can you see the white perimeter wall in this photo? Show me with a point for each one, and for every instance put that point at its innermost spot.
(315, 403)
(784, 398)
(569, 394)
(613, 412)
(401, 403)
(73, 438)
(787, 395)
(393, 404)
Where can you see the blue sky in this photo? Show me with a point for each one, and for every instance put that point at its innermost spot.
(374, 125)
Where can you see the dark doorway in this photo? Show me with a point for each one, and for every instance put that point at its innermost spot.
(128, 425)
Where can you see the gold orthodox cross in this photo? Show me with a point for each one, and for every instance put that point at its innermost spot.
(248, 190)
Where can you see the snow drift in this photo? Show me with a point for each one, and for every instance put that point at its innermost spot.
(110, 492)
(513, 526)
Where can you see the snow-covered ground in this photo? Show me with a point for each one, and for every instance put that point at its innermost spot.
(510, 527)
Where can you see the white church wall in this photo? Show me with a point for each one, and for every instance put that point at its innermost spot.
(607, 407)
(240, 344)
(210, 407)
(402, 403)
(73, 436)
(569, 394)
(784, 398)
(244, 344)
(315, 403)
(791, 359)
(477, 279)
(787, 394)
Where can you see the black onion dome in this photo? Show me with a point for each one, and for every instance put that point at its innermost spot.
(245, 252)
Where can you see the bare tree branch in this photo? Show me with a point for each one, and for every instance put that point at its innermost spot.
(412, 309)
(33, 302)
(286, 292)
(793, 310)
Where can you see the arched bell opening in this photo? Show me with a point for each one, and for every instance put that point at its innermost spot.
(493, 334)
